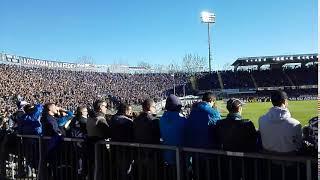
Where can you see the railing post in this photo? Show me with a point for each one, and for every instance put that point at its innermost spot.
(96, 160)
(308, 170)
(178, 162)
(40, 165)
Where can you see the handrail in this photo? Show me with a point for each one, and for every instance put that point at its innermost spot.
(258, 155)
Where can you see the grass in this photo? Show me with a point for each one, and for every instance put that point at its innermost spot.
(303, 111)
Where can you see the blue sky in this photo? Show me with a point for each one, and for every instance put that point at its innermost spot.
(158, 32)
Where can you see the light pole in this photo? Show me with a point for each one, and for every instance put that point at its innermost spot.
(184, 89)
(174, 84)
(209, 18)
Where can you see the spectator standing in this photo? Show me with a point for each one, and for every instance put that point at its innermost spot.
(29, 122)
(235, 133)
(147, 131)
(280, 133)
(122, 125)
(122, 131)
(172, 124)
(78, 130)
(78, 126)
(146, 125)
(97, 125)
(98, 128)
(52, 125)
(17, 116)
(201, 121)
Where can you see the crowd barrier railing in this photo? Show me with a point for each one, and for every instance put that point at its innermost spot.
(34, 157)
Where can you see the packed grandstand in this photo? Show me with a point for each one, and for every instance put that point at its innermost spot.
(32, 80)
(69, 88)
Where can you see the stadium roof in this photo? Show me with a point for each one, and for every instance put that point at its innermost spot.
(281, 59)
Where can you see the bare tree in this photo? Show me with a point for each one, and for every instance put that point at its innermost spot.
(193, 63)
(227, 66)
(85, 60)
(174, 67)
(159, 68)
(144, 64)
(120, 62)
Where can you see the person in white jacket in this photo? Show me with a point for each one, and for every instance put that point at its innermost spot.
(280, 133)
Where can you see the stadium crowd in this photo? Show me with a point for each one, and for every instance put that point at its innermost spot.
(61, 103)
(71, 88)
(203, 128)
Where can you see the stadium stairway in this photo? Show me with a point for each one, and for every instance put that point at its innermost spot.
(220, 80)
(289, 79)
(254, 81)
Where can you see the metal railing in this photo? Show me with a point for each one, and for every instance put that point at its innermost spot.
(44, 158)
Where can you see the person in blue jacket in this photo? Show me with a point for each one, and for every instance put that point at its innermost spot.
(29, 124)
(30, 121)
(172, 124)
(201, 122)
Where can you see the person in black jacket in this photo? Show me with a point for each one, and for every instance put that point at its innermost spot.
(122, 131)
(146, 125)
(54, 120)
(17, 116)
(147, 131)
(79, 122)
(55, 127)
(236, 134)
(122, 125)
(78, 130)
(233, 132)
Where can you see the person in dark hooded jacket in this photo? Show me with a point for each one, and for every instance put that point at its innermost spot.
(172, 126)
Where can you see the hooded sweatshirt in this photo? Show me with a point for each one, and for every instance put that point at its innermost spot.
(172, 126)
(200, 126)
(279, 131)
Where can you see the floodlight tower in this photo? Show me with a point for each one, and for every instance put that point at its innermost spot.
(209, 18)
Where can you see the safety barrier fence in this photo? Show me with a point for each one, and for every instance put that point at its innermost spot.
(46, 158)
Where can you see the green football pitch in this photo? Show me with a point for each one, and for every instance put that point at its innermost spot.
(300, 110)
(303, 111)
